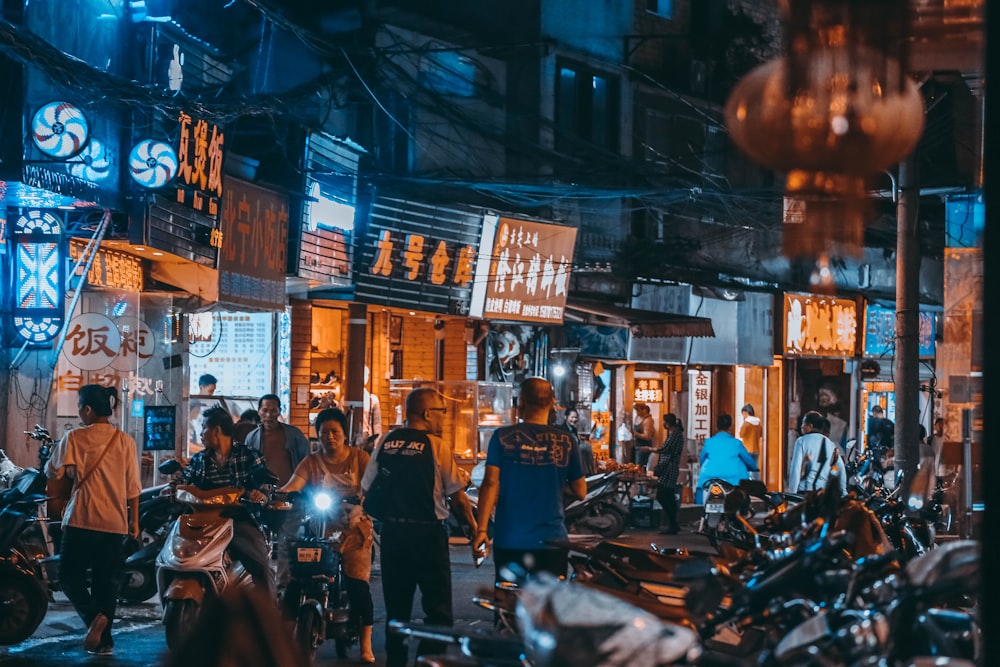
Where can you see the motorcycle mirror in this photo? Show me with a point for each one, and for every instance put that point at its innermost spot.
(169, 466)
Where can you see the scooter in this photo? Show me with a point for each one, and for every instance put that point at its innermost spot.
(24, 597)
(601, 511)
(8, 471)
(194, 562)
(316, 595)
(157, 513)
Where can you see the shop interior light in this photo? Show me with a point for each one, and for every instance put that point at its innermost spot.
(559, 370)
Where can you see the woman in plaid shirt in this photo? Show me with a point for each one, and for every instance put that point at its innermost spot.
(667, 471)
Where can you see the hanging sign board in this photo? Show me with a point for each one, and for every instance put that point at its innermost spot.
(700, 404)
(820, 326)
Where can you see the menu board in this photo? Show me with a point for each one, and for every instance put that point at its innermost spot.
(236, 348)
(160, 427)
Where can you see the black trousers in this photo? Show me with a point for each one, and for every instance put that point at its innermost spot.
(667, 496)
(415, 555)
(101, 554)
(250, 548)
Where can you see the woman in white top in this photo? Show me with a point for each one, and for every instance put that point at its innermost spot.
(103, 507)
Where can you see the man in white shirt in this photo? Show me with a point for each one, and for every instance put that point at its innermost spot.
(814, 457)
(624, 438)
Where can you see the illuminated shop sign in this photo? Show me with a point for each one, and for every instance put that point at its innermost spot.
(38, 276)
(199, 164)
(880, 332)
(820, 326)
(110, 268)
(523, 270)
(700, 404)
(416, 257)
(254, 241)
(648, 391)
(419, 256)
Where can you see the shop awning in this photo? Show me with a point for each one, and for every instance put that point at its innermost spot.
(642, 323)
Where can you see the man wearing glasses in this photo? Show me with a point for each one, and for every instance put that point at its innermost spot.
(419, 474)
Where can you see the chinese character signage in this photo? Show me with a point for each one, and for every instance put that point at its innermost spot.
(252, 246)
(700, 404)
(199, 164)
(880, 332)
(418, 256)
(110, 268)
(648, 390)
(819, 326)
(523, 270)
(94, 341)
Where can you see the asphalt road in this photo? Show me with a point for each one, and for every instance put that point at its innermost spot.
(139, 638)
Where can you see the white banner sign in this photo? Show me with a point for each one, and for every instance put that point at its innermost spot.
(700, 404)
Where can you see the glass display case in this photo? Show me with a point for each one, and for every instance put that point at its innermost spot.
(475, 410)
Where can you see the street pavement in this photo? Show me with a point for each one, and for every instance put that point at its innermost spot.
(139, 639)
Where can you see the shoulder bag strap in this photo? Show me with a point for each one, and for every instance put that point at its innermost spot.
(821, 461)
(107, 448)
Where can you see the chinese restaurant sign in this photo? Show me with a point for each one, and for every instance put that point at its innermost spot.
(254, 238)
(523, 271)
(648, 391)
(199, 164)
(110, 268)
(819, 326)
(880, 332)
(700, 404)
(418, 256)
(95, 341)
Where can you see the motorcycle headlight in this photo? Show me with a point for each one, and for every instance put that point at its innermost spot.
(322, 501)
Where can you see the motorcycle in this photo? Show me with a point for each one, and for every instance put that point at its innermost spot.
(8, 471)
(24, 597)
(601, 511)
(316, 596)
(157, 512)
(194, 562)
(729, 509)
(565, 624)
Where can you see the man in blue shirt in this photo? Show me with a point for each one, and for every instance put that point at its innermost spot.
(529, 467)
(723, 456)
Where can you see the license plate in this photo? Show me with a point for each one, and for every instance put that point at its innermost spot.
(309, 555)
(714, 508)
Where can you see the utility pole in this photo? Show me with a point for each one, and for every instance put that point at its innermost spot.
(906, 370)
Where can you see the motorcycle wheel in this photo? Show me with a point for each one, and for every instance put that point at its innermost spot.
(138, 585)
(309, 633)
(179, 618)
(23, 603)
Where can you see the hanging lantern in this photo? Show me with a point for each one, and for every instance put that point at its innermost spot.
(836, 110)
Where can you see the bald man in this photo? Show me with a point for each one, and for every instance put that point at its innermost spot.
(529, 468)
(422, 475)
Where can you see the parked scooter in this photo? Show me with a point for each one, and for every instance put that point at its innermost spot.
(24, 598)
(8, 471)
(600, 512)
(157, 513)
(316, 596)
(565, 624)
(194, 562)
